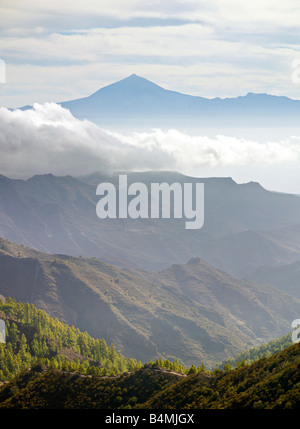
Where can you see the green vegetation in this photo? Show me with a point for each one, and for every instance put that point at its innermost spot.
(42, 388)
(180, 311)
(272, 382)
(32, 335)
(175, 366)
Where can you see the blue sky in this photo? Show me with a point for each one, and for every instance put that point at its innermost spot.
(60, 50)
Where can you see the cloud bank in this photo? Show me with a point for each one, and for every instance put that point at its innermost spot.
(49, 139)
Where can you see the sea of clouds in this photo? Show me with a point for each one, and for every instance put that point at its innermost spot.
(49, 139)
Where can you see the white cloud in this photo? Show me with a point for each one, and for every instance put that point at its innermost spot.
(190, 58)
(217, 48)
(216, 12)
(92, 44)
(48, 139)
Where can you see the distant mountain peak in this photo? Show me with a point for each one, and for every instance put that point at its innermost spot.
(129, 86)
(136, 102)
(134, 76)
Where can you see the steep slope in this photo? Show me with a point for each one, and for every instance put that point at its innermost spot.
(265, 350)
(60, 389)
(193, 311)
(285, 277)
(137, 102)
(32, 335)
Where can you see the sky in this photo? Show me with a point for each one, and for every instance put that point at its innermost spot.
(62, 50)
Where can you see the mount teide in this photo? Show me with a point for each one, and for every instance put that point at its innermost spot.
(135, 102)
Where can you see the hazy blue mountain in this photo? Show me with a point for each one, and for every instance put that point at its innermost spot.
(137, 102)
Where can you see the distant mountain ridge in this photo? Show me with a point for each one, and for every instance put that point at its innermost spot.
(58, 215)
(136, 101)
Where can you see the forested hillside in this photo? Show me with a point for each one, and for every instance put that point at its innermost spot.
(48, 364)
(255, 353)
(272, 382)
(32, 335)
